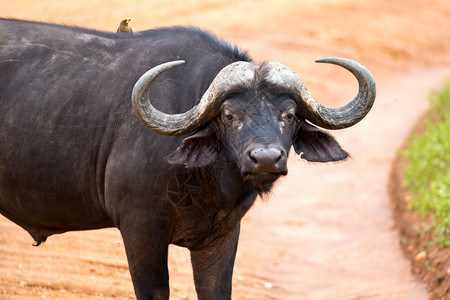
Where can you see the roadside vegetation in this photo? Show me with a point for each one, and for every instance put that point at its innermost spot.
(427, 174)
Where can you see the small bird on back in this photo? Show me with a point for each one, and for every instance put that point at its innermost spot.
(124, 27)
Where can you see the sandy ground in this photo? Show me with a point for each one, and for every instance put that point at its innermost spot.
(326, 232)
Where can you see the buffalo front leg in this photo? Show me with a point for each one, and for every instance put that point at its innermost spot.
(147, 259)
(213, 267)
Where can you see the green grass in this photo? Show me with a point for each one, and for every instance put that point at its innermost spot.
(427, 174)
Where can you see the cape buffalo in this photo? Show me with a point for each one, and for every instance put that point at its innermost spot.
(213, 130)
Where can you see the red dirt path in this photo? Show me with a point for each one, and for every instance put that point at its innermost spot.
(326, 232)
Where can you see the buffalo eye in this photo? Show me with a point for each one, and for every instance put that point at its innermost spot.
(228, 118)
(290, 117)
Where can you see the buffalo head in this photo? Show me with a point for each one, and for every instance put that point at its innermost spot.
(251, 114)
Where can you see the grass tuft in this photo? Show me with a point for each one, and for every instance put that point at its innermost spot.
(427, 175)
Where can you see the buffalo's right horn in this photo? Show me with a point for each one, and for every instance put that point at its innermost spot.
(236, 74)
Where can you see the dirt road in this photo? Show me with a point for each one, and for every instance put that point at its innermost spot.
(326, 232)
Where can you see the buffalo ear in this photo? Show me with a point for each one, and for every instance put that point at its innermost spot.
(197, 150)
(315, 145)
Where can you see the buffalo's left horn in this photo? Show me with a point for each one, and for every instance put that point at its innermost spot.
(236, 74)
(328, 117)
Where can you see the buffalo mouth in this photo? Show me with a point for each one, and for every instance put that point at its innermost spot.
(262, 182)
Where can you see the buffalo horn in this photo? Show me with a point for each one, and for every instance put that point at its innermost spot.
(327, 117)
(235, 74)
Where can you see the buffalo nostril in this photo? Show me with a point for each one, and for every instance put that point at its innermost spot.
(252, 157)
(266, 159)
(279, 157)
